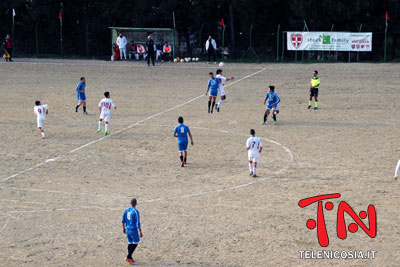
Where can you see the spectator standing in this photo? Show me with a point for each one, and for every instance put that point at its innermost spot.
(151, 50)
(122, 42)
(211, 48)
(8, 47)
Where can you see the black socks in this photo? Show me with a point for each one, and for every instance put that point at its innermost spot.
(131, 249)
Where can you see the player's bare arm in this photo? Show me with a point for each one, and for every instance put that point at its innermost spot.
(123, 228)
(175, 134)
(260, 150)
(208, 89)
(191, 139)
(140, 232)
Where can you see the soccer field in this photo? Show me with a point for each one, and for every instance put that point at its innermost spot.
(62, 198)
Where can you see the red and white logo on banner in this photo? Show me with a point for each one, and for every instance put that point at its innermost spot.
(296, 39)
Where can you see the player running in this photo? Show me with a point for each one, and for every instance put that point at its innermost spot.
(213, 84)
(222, 81)
(40, 111)
(131, 227)
(272, 107)
(254, 148)
(80, 94)
(315, 81)
(104, 107)
(181, 131)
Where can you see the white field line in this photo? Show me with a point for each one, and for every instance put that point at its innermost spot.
(117, 132)
(260, 179)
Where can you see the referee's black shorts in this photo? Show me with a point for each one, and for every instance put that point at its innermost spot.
(314, 92)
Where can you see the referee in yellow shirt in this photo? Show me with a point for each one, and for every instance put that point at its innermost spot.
(315, 81)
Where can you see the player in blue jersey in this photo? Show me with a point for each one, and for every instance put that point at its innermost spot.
(181, 132)
(131, 227)
(213, 85)
(80, 94)
(272, 107)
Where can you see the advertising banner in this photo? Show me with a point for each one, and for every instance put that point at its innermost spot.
(330, 41)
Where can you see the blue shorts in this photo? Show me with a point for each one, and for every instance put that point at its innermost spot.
(214, 93)
(133, 236)
(270, 106)
(182, 146)
(81, 96)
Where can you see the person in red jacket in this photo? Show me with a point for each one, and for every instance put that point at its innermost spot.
(7, 46)
(167, 52)
(132, 50)
(117, 53)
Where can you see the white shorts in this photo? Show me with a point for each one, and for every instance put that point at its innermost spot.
(221, 91)
(105, 116)
(254, 159)
(40, 123)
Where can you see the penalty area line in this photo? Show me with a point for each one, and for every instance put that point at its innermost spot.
(215, 191)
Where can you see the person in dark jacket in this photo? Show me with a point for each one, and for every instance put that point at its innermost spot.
(151, 50)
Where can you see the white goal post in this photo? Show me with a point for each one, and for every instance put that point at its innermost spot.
(139, 35)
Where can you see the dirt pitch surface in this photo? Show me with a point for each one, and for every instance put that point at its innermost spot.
(62, 198)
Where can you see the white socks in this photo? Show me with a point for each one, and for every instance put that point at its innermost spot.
(99, 125)
(106, 127)
(254, 171)
(251, 167)
(43, 133)
(219, 102)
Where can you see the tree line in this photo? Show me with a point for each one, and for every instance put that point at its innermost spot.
(87, 21)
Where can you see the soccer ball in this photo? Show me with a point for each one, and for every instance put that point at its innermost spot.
(182, 60)
(175, 60)
(193, 59)
(221, 64)
(197, 59)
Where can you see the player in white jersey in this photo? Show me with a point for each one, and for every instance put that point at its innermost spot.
(254, 147)
(397, 170)
(105, 106)
(222, 81)
(40, 111)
